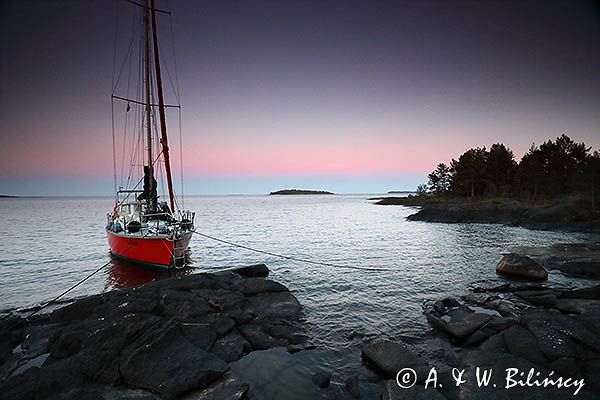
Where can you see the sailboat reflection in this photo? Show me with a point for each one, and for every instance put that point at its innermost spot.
(123, 274)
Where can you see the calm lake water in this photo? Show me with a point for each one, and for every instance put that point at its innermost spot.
(51, 243)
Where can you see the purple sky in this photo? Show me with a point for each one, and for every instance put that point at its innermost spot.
(345, 96)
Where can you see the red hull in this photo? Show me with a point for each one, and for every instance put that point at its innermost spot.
(154, 251)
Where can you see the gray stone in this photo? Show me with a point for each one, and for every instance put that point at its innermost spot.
(253, 271)
(390, 357)
(521, 266)
(522, 343)
(463, 322)
(275, 305)
(502, 323)
(258, 336)
(80, 309)
(589, 293)
(66, 344)
(177, 365)
(494, 343)
(252, 286)
(231, 347)
(200, 335)
(546, 297)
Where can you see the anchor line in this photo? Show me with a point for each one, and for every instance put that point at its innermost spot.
(291, 258)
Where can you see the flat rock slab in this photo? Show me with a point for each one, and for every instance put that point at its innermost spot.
(389, 358)
(164, 339)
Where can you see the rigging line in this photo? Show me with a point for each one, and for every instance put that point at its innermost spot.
(138, 116)
(127, 55)
(143, 103)
(161, 55)
(289, 257)
(174, 57)
(112, 114)
(116, 8)
(129, 68)
(155, 9)
(129, 194)
(80, 282)
(164, 62)
(166, 68)
(141, 179)
(181, 161)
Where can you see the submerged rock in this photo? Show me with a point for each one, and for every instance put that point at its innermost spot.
(321, 379)
(521, 266)
(352, 386)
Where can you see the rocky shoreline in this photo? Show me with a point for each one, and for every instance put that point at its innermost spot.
(158, 340)
(507, 325)
(193, 337)
(571, 214)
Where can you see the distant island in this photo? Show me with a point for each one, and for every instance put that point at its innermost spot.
(298, 191)
(401, 191)
(6, 196)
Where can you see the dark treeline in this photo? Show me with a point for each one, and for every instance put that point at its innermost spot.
(557, 167)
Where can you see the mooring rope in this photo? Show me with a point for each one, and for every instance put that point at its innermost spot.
(291, 258)
(67, 291)
(227, 242)
(80, 282)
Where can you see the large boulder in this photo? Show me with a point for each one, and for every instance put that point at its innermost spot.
(520, 266)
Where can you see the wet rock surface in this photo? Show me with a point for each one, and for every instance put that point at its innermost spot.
(507, 330)
(164, 339)
(526, 332)
(524, 326)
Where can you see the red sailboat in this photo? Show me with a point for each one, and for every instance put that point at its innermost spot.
(141, 227)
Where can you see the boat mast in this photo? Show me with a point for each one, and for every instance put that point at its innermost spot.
(151, 198)
(161, 109)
